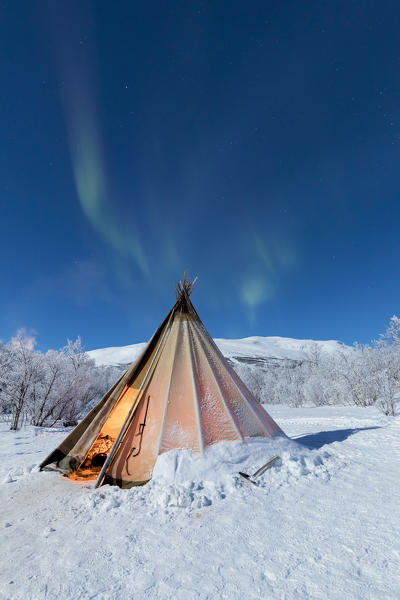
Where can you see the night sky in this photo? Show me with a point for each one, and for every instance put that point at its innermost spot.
(254, 144)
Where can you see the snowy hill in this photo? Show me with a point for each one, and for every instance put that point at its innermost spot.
(116, 355)
(250, 349)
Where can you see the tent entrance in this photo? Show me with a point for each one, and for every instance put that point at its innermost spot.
(99, 450)
(95, 458)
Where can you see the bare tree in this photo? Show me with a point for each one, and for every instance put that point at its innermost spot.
(63, 386)
(17, 378)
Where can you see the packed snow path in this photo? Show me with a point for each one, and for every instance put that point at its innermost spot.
(323, 525)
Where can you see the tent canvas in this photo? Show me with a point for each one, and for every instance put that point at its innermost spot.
(180, 393)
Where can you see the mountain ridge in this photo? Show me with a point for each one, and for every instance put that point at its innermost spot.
(244, 349)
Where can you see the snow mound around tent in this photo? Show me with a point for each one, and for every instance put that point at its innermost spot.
(218, 463)
(184, 479)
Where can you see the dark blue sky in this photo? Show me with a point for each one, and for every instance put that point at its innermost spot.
(255, 145)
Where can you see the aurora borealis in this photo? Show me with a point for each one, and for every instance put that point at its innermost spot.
(255, 146)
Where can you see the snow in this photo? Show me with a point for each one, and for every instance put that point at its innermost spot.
(274, 347)
(254, 347)
(323, 522)
(117, 355)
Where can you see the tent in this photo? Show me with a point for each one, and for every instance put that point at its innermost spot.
(180, 393)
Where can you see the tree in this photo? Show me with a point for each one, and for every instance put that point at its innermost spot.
(63, 386)
(17, 379)
(391, 337)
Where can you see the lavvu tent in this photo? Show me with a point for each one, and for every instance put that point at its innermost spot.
(180, 393)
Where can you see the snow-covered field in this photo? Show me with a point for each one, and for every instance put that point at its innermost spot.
(323, 523)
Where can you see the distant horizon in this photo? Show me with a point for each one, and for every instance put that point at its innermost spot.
(229, 339)
(40, 346)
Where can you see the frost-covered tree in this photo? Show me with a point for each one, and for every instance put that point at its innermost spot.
(45, 388)
(18, 375)
(63, 386)
(391, 337)
(5, 361)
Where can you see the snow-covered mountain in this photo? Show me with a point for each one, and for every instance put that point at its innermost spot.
(250, 349)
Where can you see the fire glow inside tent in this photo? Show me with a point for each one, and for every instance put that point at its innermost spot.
(180, 393)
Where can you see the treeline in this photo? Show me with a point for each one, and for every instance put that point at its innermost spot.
(361, 375)
(59, 387)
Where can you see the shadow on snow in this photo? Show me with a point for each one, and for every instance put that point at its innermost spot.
(314, 441)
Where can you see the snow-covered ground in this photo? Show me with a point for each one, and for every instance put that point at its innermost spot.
(254, 347)
(323, 523)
